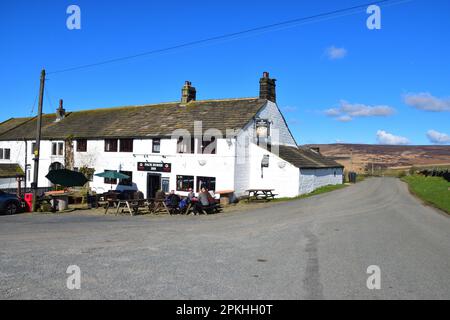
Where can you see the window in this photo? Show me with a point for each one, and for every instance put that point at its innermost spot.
(33, 148)
(109, 180)
(82, 145)
(184, 183)
(126, 182)
(206, 182)
(5, 154)
(126, 145)
(57, 148)
(111, 145)
(165, 184)
(185, 145)
(156, 147)
(208, 146)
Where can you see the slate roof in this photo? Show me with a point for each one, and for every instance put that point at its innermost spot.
(305, 158)
(138, 121)
(12, 170)
(11, 124)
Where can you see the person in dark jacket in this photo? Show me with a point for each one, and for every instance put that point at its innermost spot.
(173, 200)
(160, 195)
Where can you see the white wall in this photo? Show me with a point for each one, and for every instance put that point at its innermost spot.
(281, 176)
(312, 179)
(220, 165)
(18, 156)
(245, 162)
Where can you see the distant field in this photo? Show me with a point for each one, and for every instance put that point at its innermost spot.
(432, 190)
(380, 158)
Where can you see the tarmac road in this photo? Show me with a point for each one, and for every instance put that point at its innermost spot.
(315, 248)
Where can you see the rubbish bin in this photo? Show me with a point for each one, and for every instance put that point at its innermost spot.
(29, 201)
(352, 177)
(63, 203)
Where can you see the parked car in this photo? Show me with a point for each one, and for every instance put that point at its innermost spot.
(10, 203)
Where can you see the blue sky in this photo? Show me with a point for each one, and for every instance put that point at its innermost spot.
(338, 81)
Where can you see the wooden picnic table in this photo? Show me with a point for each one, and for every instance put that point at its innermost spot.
(260, 194)
(132, 205)
(110, 203)
(159, 205)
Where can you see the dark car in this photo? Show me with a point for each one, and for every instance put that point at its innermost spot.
(9, 203)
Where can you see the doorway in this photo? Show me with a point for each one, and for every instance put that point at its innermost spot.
(153, 185)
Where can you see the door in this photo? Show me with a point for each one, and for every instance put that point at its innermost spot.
(153, 185)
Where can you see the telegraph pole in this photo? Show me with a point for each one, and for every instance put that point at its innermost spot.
(38, 141)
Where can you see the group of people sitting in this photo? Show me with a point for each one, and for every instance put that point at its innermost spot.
(204, 203)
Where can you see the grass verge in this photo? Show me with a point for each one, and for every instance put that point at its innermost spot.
(432, 190)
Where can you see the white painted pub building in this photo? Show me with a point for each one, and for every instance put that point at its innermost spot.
(229, 144)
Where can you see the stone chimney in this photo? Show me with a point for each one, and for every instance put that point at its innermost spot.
(267, 88)
(60, 112)
(188, 93)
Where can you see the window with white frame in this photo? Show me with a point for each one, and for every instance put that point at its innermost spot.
(5, 154)
(57, 148)
(156, 146)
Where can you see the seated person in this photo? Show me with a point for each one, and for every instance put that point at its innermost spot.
(191, 194)
(160, 195)
(204, 200)
(173, 199)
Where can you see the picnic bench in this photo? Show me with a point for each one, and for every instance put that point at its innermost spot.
(132, 206)
(155, 206)
(260, 195)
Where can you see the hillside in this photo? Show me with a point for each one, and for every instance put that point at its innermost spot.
(363, 157)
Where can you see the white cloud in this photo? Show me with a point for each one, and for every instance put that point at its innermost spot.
(438, 137)
(344, 118)
(332, 112)
(347, 111)
(384, 137)
(334, 53)
(427, 102)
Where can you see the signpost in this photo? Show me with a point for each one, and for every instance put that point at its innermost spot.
(154, 166)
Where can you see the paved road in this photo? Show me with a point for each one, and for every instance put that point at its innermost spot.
(316, 248)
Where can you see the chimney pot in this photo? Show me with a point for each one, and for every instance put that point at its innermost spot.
(60, 112)
(267, 88)
(188, 93)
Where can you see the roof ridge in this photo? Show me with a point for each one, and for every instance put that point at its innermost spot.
(164, 103)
